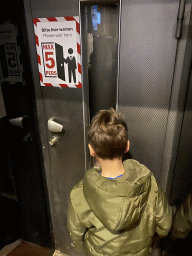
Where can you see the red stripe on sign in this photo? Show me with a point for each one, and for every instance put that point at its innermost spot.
(63, 85)
(79, 85)
(52, 19)
(36, 40)
(41, 77)
(47, 84)
(79, 68)
(69, 18)
(78, 48)
(39, 59)
(35, 21)
(77, 27)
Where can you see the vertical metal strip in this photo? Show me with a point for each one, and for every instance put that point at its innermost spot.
(118, 64)
(85, 109)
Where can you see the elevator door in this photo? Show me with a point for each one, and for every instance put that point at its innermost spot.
(147, 56)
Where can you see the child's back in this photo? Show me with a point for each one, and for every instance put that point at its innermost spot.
(117, 216)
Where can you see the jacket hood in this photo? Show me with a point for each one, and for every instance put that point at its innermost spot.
(119, 203)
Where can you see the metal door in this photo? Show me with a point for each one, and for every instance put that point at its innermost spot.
(182, 184)
(64, 161)
(147, 60)
(60, 63)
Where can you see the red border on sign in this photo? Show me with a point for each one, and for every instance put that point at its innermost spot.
(55, 19)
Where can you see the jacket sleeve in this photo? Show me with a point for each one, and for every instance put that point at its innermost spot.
(182, 222)
(163, 214)
(76, 230)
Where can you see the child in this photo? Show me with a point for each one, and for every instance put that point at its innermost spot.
(116, 209)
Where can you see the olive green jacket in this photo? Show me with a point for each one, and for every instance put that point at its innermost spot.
(182, 221)
(118, 217)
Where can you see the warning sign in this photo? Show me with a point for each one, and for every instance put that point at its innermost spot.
(58, 51)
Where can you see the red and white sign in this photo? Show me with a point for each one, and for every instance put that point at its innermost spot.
(58, 51)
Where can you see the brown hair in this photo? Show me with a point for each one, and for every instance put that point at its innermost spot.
(108, 134)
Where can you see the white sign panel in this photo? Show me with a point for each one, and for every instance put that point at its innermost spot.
(58, 51)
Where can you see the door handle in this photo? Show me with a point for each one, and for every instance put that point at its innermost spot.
(54, 126)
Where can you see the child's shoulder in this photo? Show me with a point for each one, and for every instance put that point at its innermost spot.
(77, 187)
(77, 191)
(77, 198)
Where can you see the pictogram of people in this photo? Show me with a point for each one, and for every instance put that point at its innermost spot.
(71, 61)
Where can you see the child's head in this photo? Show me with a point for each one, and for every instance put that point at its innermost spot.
(108, 134)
